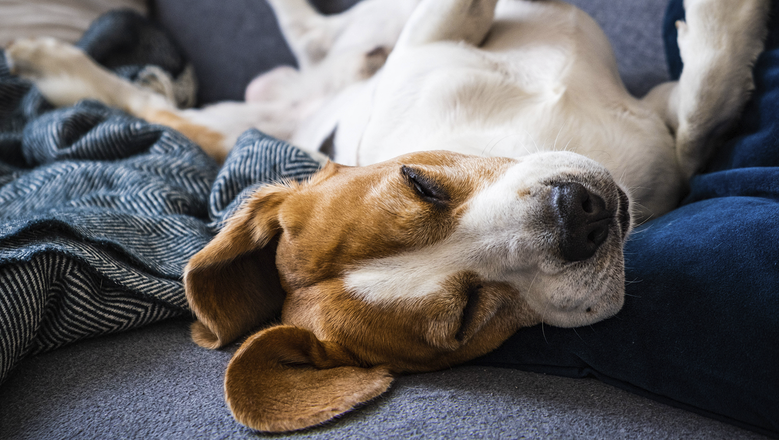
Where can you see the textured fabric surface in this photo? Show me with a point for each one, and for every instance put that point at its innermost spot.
(255, 160)
(63, 19)
(155, 383)
(700, 327)
(99, 213)
(634, 28)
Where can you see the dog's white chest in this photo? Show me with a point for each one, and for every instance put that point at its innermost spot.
(512, 96)
(549, 83)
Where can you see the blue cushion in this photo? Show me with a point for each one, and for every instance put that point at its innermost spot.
(700, 326)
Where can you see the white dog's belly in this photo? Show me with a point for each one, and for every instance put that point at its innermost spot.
(545, 79)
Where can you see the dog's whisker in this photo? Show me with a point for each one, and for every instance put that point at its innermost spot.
(497, 140)
(554, 144)
(543, 313)
(487, 147)
(622, 176)
(644, 221)
(580, 336)
(533, 281)
(532, 139)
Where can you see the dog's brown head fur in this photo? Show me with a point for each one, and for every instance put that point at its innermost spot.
(388, 269)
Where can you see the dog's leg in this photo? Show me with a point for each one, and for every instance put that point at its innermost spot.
(719, 42)
(448, 20)
(64, 74)
(308, 33)
(369, 25)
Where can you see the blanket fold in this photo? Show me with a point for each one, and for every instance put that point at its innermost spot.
(100, 211)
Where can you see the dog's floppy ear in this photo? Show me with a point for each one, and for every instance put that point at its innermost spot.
(284, 379)
(232, 285)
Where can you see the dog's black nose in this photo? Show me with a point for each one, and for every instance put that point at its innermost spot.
(583, 220)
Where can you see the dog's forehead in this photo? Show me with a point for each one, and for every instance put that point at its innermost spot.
(347, 216)
(486, 169)
(390, 184)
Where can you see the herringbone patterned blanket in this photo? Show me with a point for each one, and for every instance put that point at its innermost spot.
(100, 211)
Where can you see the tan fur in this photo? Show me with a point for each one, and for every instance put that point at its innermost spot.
(276, 368)
(212, 142)
(232, 285)
(297, 379)
(223, 280)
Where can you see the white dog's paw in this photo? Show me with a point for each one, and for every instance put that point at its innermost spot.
(36, 58)
(735, 28)
(63, 73)
(719, 42)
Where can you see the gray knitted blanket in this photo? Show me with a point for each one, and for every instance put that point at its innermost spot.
(100, 211)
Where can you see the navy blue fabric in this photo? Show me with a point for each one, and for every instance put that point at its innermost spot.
(100, 211)
(673, 12)
(700, 326)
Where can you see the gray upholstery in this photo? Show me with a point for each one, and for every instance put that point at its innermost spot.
(156, 383)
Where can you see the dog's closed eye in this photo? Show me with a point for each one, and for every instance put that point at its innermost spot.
(425, 187)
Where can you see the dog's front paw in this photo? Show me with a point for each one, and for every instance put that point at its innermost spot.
(724, 25)
(719, 42)
(35, 58)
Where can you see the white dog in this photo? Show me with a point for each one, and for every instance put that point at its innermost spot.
(501, 164)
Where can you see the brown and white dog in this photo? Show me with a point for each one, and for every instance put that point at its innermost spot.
(501, 165)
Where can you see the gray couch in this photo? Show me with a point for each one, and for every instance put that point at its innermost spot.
(155, 383)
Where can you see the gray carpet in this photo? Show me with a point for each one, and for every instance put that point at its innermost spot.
(155, 383)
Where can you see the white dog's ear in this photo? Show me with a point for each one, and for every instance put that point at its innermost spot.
(232, 285)
(284, 379)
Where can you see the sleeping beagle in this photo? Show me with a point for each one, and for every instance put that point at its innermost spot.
(489, 165)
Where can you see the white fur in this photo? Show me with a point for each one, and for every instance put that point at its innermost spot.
(507, 78)
(499, 239)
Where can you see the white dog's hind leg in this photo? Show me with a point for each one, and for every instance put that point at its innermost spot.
(719, 42)
(368, 25)
(308, 33)
(65, 75)
(448, 20)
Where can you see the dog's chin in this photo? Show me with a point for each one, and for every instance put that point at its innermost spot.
(577, 298)
(588, 316)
